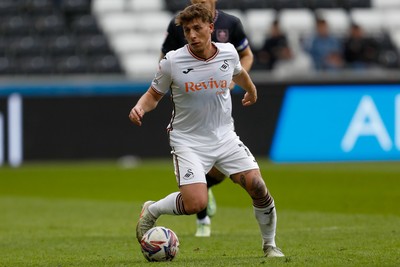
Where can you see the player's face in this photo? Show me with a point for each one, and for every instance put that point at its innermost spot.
(210, 4)
(198, 35)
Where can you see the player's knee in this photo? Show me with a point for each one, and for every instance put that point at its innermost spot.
(258, 188)
(195, 206)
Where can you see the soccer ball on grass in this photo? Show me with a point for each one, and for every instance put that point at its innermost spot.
(159, 244)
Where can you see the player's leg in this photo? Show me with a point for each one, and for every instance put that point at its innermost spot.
(264, 208)
(191, 198)
(237, 161)
(213, 177)
(203, 222)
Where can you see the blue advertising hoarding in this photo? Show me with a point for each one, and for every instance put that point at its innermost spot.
(338, 123)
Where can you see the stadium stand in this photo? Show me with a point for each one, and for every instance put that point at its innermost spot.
(125, 36)
(53, 37)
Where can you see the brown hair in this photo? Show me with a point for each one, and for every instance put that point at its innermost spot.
(193, 12)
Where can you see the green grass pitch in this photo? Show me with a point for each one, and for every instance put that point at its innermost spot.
(84, 214)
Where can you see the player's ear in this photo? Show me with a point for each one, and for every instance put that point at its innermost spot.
(212, 27)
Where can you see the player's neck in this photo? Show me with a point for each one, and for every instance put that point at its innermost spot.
(208, 52)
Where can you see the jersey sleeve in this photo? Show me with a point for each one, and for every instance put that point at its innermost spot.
(173, 38)
(238, 67)
(162, 80)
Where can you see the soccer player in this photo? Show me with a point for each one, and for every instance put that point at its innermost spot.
(227, 28)
(201, 131)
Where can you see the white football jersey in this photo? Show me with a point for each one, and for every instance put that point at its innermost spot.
(202, 106)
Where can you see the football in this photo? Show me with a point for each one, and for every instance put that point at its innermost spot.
(159, 244)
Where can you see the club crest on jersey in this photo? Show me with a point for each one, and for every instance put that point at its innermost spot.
(222, 35)
(225, 66)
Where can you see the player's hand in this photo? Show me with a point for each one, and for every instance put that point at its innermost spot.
(249, 98)
(136, 115)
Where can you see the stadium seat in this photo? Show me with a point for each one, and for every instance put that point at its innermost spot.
(35, 65)
(385, 4)
(65, 44)
(118, 22)
(391, 19)
(50, 24)
(105, 64)
(227, 4)
(130, 42)
(27, 45)
(10, 7)
(73, 64)
(255, 4)
(140, 66)
(371, 20)
(93, 44)
(149, 24)
(76, 6)
(337, 18)
(7, 65)
(40, 6)
(108, 6)
(299, 21)
(290, 4)
(258, 24)
(146, 5)
(83, 24)
(4, 45)
(395, 36)
(175, 5)
(16, 25)
(350, 4)
(316, 4)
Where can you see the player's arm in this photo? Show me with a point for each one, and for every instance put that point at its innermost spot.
(244, 81)
(147, 102)
(246, 58)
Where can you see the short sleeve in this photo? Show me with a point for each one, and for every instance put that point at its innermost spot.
(238, 67)
(162, 80)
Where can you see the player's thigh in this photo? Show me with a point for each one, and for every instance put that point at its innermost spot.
(216, 174)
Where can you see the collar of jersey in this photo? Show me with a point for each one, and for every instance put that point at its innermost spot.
(216, 16)
(204, 59)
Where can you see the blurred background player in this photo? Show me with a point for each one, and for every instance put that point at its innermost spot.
(227, 28)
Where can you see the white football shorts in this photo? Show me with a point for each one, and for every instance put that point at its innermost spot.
(192, 163)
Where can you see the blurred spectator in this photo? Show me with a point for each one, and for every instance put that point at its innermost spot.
(291, 63)
(324, 48)
(270, 51)
(360, 51)
(388, 53)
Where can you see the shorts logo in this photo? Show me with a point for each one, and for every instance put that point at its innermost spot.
(189, 175)
(222, 35)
